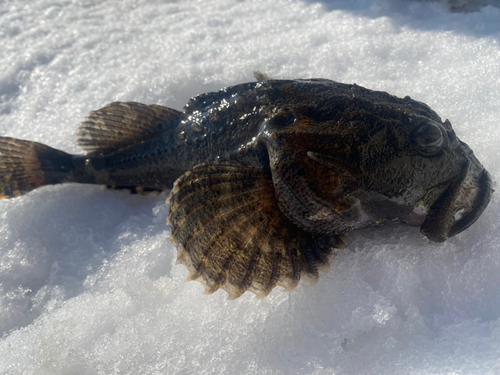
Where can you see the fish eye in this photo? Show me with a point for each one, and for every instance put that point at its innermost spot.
(427, 139)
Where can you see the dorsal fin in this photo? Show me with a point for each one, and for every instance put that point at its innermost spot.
(122, 124)
(260, 77)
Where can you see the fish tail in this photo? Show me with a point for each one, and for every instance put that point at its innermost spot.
(26, 165)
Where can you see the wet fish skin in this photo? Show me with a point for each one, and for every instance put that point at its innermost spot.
(268, 176)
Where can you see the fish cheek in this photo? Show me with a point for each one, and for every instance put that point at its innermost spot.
(407, 182)
(390, 192)
(392, 185)
(385, 164)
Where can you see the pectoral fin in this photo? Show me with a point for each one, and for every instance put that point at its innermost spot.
(230, 233)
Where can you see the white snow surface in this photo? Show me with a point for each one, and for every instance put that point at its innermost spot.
(88, 281)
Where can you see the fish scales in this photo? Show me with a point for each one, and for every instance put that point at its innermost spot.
(267, 177)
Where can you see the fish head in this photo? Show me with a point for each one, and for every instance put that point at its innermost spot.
(366, 167)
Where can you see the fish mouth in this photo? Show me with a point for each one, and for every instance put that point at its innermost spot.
(459, 206)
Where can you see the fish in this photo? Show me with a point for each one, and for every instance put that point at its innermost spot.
(267, 178)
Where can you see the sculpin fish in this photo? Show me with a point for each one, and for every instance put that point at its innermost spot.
(267, 177)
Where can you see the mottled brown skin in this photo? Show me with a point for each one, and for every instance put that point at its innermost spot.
(269, 175)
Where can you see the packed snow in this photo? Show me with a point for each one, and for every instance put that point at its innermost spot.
(88, 281)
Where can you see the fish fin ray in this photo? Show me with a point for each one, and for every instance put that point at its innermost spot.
(260, 77)
(26, 165)
(121, 124)
(231, 235)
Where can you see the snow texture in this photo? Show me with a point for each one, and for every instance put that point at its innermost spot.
(88, 282)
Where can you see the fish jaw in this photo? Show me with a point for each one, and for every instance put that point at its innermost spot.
(460, 205)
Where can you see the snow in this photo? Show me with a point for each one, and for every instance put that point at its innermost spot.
(88, 282)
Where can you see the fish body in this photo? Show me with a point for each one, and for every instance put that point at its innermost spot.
(268, 176)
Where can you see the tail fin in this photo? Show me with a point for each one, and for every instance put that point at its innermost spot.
(26, 165)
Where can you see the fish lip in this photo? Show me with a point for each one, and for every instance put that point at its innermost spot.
(483, 198)
(440, 223)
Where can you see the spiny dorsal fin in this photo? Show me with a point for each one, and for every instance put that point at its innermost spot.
(260, 77)
(122, 124)
(230, 233)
